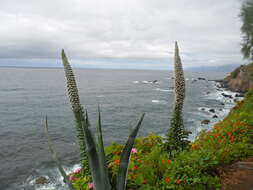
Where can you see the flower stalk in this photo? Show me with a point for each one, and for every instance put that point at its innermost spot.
(176, 135)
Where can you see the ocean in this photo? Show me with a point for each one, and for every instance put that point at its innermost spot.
(27, 95)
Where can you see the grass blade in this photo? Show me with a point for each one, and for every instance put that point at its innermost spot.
(125, 157)
(55, 157)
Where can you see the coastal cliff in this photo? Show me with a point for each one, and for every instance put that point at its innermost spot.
(241, 79)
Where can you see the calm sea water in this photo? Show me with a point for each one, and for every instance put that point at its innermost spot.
(27, 95)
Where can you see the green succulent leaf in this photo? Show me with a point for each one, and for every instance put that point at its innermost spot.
(93, 156)
(55, 157)
(101, 153)
(125, 156)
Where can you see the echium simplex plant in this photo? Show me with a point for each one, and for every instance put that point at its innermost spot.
(94, 148)
(77, 110)
(176, 135)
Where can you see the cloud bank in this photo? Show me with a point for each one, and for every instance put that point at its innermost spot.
(112, 32)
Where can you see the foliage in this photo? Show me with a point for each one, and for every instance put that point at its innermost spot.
(236, 72)
(176, 135)
(151, 168)
(247, 29)
(94, 149)
(248, 68)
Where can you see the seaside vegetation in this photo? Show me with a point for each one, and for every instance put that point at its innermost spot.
(194, 168)
(248, 68)
(153, 162)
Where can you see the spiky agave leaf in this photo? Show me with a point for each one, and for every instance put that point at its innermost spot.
(101, 152)
(125, 157)
(55, 157)
(77, 108)
(93, 157)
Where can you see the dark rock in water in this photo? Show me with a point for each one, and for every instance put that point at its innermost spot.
(235, 100)
(239, 95)
(203, 109)
(222, 104)
(208, 92)
(212, 110)
(172, 78)
(221, 109)
(215, 116)
(41, 180)
(226, 95)
(200, 78)
(155, 81)
(205, 122)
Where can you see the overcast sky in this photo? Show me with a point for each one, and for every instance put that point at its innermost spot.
(120, 33)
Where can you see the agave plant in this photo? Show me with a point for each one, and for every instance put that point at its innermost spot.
(91, 148)
(176, 135)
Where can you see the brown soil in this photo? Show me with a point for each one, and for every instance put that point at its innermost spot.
(238, 176)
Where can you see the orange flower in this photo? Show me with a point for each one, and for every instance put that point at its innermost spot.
(216, 128)
(169, 161)
(163, 161)
(135, 167)
(167, 179)
(139, 161)
(195, 146)
(116, 162)
(178, 181)
(232, 139)
(229, 134)
(216, 135)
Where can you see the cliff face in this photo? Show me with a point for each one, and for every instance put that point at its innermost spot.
(241, 79)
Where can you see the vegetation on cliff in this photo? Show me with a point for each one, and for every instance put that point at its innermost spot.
(241, 79)
(194, 168)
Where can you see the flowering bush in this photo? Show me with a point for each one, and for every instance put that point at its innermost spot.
(151, 168)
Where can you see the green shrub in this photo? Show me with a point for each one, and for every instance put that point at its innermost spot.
(151, 168)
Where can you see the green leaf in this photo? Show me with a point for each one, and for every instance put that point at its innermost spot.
(55, 157)
(125, 157)
(93, 156)
(101, 153)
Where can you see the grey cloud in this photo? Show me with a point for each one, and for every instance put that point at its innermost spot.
(207, 30)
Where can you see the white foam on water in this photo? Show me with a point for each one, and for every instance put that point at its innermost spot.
(136, 82)
(221, 112)
(163, 90)
(55, 179)
(159, 101)
(100, 96)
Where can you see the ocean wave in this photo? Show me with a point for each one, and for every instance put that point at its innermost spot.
(55, 180)
(11, 89)
(163, 90)
(159, 101)
(100, 96)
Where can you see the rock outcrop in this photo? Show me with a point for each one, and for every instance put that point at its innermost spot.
(241, 79)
